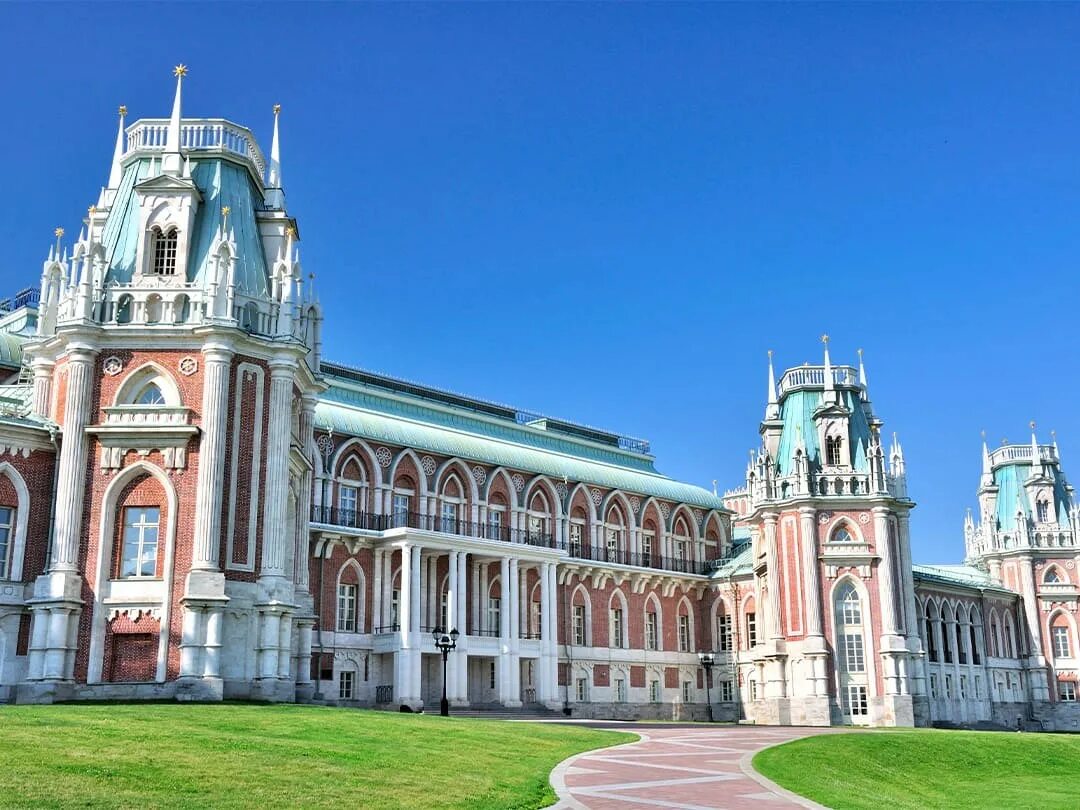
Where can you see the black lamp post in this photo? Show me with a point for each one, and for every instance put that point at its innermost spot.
(707, 660)
(444, 643)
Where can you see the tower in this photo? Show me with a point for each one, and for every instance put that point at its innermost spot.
(178, 351)
(1026, 537)
(831, 555)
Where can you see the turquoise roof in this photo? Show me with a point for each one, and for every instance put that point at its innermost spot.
(797, 413)
(739, 564)
(11, 349)
(221, 183)
(964, 576)
(398, 419)
(16, 403)
(1010, 480)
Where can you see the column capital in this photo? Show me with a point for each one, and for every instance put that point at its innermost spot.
(282, 366)
(770, 517)
(218, 352)
(881, 511)
(81, 352)
(807, 511)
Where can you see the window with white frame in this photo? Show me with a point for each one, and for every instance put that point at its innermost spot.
(491, 675)
(346, 682)
(401, 507)
(684, 634)
(449, 516)
(723, 632)
(857, 700)
(963, 687)
(1059, 635)
(347, 500)
(1042, 511)
(582, 689)
(727, 693)
(575, 539)
(933, 686)
(854, 657)
(751, 629)
(537, 527)
(150, 394)
(346, 600)
(654, 691)
(652, 631)
(613, 545)
(833, 445)
(444, 611)
(616, 627)
(141, 524)
(7, 529)
(1067, 691)
(163, 251)
(395, 607)
(1052, 577)
(841, 535)
(646, 549)
(620, 690)
(948, 686)
(978, 688)
(579, 625)
(494, 614)
(687, 692)
(534, 618)
(753, 688)
(495, 523)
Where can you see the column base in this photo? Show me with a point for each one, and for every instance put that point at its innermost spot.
(305, 693)
(44, 691)
(512, 704)
(274, 690)
(774, 712)
(199, 690)
(897, 710)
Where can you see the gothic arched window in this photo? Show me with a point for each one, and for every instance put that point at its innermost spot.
(842, 535)
(832, 450)
(1042, 511)
(163, 251)
(1052, 577)
(851, 653)
(150, 395)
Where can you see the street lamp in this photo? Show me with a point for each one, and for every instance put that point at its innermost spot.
(707, 660)
(444, 643)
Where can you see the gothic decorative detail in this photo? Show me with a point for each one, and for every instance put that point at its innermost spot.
(188, 366)
(113, 365)
(665, 510)
(560, 488)
(427, 464)
(596, 496)
(635, 504)
(384, 456)
(325, 444)
(864, 518)
(699, 516)
(479, 474)
(518, 482)
(824, 517)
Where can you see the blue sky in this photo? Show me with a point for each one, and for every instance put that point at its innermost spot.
(609, 213)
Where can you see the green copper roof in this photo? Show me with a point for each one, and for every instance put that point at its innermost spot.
(738, 565)
(373, 414)
(221, 183)
(1010, 480)
(964, 576)
(797, 413)
(11, 349)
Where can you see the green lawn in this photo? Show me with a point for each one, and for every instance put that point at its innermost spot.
(925, 768)
(235, 755)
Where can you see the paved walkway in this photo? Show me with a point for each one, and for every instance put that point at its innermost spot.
(680, 767)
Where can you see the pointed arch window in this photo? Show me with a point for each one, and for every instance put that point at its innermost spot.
(851, 653)
(7, 532)
(1052, 577)
(163, 251)
(841, 535)
(833, 446)
(150, 394)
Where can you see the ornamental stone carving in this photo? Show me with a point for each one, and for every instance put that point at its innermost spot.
(699, 516)
(384, 456)
(427, 464)
(325, 444)
(518, 482)
(864, 518)
(560, 488)
(113, 365)
(596, 496)
(665, 510)
(479, 474)
(188, 366)
(824, 517)
(635, 504)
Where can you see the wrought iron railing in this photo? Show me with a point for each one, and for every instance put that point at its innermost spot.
(620, 556)
(384, 694)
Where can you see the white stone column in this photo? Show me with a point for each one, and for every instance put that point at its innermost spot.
(1036, 672)
(406, 607)
(212, 649)
(416, 642)
(476, 625)
(484, 592)
(217, 363)
(502, 663)
(303, 652)
(552, 599)
(284, 646)
(388, 590)
(513, 635)
(451, 622)
(43, 377)
(276, 493)
(271, 636)
(190, 666)
(886, 573)
(376, 590)
(462, 655)
(302, 555)
(71, 465)
(772, 604)
(811, 581)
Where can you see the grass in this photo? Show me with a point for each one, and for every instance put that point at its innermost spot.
(236, 755)
(925, 768)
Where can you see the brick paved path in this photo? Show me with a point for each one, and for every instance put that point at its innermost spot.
(680, 767)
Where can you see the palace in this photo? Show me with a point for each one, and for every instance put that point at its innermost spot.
(196, 505)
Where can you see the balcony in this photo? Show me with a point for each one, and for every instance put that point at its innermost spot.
(206, 136)
(617, 556)
(376, 522)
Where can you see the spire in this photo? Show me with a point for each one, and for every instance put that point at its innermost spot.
(171, 163)
(116, 172)
(862, 378)
(1036, 459)
(987, 470)
(772, 410)
(275, 153)
(828, 365)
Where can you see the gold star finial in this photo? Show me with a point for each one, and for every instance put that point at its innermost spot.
(225, 210)
(825, 339)
(123, 110)
(277, 109)
(180, 70)
(58, 232)
(859, 352)
(1031, 424)
(290, 231)
(91, 210)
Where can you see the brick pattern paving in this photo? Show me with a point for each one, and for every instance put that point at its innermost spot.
(679, 767)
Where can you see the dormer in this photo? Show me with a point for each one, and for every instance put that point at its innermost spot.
(167, 208)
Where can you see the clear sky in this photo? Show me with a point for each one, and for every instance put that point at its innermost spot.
(609, 213)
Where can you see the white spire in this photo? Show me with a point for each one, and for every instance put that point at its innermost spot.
(772, 410)
(828, 365)
(1036, 458)
(862, 378)
(171, 163)
(275, 153)
(116, 172)
(987, 471)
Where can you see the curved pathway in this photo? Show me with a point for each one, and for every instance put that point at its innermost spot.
(684, 767)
